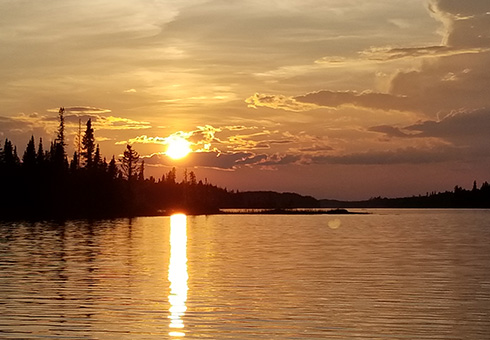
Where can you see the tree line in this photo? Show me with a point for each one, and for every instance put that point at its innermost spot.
(476, 197)
(44, 183)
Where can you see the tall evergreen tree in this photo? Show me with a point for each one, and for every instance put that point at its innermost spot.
(112, 168)
(129, 163)
(97, 159)
(88, 145)
(8, 155)
(60, 138)
(58, 151)
(40, 153)
(29, 157)
(74, 162)
(141, 173)
(171, 176)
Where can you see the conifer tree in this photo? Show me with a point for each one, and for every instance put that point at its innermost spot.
(74, 162)
(88, 145)
(29, 157)
(171, 176)
(141, 173)
(129, 162)
(112, 168)
(58, 150)
(97, 158)
(40, 153)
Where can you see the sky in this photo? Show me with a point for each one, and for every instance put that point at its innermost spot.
(341, 99)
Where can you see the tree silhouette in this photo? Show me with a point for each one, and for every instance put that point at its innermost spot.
(129, 163)
(88, 145)
(58, 153)
(40, 154)
(112, 169)
(141, 173)
(97, 163)
(29, 157)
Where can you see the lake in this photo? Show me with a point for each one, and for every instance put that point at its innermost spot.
(393, 274)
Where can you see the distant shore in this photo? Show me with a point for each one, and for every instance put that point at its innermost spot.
(292, 212)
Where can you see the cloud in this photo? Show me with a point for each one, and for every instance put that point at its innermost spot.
(408, 155)
(431, 79)
(214, 160)
(394, 53)
(471, 126)
(389, 131)
(278, 102)
(372, 100)
(333, 100)
(462, 129)
(81, 110)
(467, 23)
(461, 79)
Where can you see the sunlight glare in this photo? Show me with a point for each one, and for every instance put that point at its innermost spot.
(178, 147)
(177, 273)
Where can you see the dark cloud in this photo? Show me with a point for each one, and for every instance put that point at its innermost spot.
(469, 125)
(408, 155)
(389, 131)
(215, 160)
(464, 129)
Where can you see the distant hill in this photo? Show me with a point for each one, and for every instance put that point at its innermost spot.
(268, 200)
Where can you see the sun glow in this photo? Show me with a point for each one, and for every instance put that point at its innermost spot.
(178, 147)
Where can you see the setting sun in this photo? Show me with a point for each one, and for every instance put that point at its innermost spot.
(178, 147)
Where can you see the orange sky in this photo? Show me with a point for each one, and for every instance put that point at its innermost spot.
(332, 98)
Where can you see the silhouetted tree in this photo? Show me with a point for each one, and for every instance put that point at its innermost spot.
(141, 173)
(74, 162)
(129, 162)
(112, 168)
(171, 176)
(29, 157)
(192, 178)
(9, 155)
(40, 153)
(88, 145)
(58, 154)
(97, 159)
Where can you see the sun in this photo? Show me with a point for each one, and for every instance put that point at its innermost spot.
(178, 147)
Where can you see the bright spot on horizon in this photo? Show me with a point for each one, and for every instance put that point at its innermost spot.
(178, 147)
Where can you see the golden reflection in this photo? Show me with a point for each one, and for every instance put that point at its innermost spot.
(177, 273)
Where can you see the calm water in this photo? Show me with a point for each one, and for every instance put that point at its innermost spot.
(390, 275)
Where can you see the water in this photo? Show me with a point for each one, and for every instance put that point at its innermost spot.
(409, 274)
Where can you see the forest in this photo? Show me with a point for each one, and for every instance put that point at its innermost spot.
(44, 184)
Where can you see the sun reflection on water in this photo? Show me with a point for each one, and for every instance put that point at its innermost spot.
(177, 274)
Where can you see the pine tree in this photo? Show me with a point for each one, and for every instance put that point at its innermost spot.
(88, 145)
(60, 138)
(129, 162)
(29, 157)
(112, 168)
(58, 150)
(74, 162)
(40, 153)
(141, 173)
(97, 158)
(171, 176)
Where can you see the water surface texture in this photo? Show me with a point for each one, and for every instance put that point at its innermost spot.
(411, 274)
